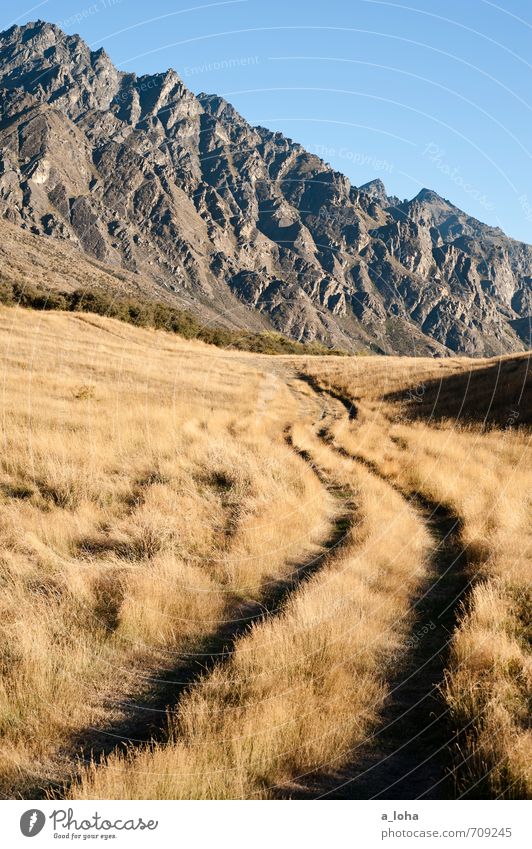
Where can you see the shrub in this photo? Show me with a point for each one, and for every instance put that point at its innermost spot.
(157, 315)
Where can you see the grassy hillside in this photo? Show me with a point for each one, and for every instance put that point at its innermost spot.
(457, 435)
(262, 530)
(43, 273)
(155, 314)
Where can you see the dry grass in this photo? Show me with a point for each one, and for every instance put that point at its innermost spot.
(302, 689)
(146, 490)
(484, 478)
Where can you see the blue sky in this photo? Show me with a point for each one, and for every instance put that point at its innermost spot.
(418, 93)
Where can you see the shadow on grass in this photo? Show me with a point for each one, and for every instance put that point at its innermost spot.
(497, 395)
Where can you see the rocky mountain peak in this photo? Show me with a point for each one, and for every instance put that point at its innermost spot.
(430, 196)
(58, 68)
(376, 190)
(35, 31)
(239, 223)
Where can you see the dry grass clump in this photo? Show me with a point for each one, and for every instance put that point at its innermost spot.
(147, 494)
(489, 689)
(483, 477)
(488, 392)
(144, 493)
(302, 688)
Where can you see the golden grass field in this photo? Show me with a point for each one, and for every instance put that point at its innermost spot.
(174, 513)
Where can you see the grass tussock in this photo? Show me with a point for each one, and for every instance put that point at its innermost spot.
(148, 494)
(478, 467)
(145, 491)
(302, 689)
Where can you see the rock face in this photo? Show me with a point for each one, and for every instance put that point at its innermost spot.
(143, 175)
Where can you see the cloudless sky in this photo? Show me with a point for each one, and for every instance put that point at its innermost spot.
(419, 93)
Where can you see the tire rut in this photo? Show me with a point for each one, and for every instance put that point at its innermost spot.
(410, 754)
(145, 719)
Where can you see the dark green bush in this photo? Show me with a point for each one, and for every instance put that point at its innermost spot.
(153, 314)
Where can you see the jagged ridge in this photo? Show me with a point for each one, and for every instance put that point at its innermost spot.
(181, 190)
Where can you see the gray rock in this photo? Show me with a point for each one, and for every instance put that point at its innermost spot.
(140, 173)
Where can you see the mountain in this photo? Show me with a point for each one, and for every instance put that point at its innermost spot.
(238, 222)
(377, 190)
